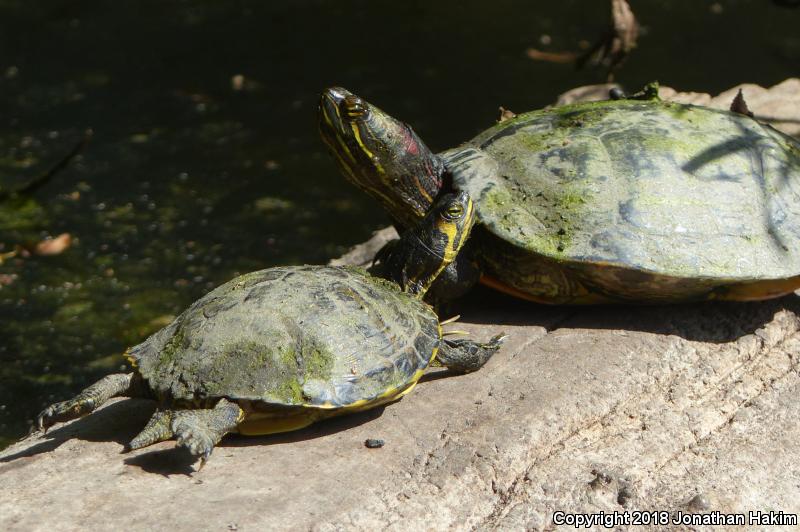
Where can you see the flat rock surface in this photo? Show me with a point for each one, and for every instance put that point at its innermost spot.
(681, 408)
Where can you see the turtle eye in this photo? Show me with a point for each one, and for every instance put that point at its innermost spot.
(353, 107)
(454, 211)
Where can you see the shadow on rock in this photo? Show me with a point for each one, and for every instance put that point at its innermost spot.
(319, 429)
(439, 373)
(119, 422)
(711, 321)
(178, 461)
(715, 322)
(165, 462)
(489, 307)
(122, 420)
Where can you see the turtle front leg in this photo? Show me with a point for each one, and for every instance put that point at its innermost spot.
(200, 430)
(458, 278)
(468, 355)
(89, 399)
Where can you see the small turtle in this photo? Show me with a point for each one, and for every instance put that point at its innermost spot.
(277, 349)
(633, 200)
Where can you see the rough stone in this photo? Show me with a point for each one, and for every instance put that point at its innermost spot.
(362, 254)
(779, 105)
(681, 408)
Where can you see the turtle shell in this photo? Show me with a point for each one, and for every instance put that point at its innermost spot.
(640, 198)
(311, 336)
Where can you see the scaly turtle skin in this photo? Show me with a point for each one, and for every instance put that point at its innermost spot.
(277, 349)
(614, 201)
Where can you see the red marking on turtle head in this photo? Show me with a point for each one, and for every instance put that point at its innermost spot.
(409, 142)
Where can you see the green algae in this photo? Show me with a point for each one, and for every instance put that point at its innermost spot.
(288, 391)
(296, 366)
(531, 142)
(72, 311)
(557, 214)
(173, 347)
(20, 219)
(318, 363)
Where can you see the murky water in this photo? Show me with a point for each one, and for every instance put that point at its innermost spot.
(205, 160)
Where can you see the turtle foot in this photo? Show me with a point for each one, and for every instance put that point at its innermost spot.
(64, 411)
(467, 355)
(196, 438)
(86, 401)
(200, 430)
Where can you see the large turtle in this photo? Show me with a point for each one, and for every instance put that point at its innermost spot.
(277, 349)
(613, 201)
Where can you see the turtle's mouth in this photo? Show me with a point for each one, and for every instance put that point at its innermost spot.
(344, 127)
(338, 105)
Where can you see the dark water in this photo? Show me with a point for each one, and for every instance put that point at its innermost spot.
(189, 181)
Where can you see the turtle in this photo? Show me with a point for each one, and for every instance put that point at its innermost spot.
(632, 200)
(280, 348)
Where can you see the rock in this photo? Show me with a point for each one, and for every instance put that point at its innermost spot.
(680, 408)
(778, 105)
(583, 410)
(361, 255)
(587, 93)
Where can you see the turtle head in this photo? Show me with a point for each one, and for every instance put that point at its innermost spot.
(424, 251)
(446, 228)
(380, 155)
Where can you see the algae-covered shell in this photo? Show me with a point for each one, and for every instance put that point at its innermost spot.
(305, 336)
(644, 200)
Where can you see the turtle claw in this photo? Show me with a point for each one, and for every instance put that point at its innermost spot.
(40, 426)
(195, 440)
(203, 460)
(63, 411)
(200, 430)
(497, 340)
(42, 420)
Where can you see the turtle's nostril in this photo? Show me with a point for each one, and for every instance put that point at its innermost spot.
(353, 107)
